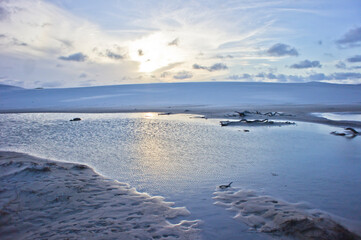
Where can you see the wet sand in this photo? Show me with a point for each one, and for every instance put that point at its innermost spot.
(42, 199)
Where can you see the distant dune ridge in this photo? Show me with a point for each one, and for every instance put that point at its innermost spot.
(181, 96)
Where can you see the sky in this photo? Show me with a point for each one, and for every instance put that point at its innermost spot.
(77, 43)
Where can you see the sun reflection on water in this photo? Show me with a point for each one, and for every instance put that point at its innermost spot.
(153, 152)
(149, 115)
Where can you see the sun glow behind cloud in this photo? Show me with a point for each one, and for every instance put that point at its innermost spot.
(155, 51)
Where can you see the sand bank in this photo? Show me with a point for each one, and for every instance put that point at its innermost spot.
(42, 199)
(267, 214)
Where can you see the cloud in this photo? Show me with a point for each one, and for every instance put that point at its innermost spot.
(77, 57)
(318, 77)
(113, 55)
(165, 74)
(197, 66)
(306, 64)
(83, 75)
(183, 75)
(356, 58)
(356, 67)
(214, 67)
(345, 76)
(16, 42)
(224, 57)
(281, 49)
(218, 67)
(340, 65)
(239, 77)
(175, 42)
(351, 39)
(268, 75)
(341, 76)
(3, 13)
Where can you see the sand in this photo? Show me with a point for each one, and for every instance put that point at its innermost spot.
(42, 199)
(270, 215)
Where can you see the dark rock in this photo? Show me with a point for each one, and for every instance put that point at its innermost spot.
(75, 119)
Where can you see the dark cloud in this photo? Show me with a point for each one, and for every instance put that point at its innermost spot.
(318, 77)
(165, 74)
(218, 67)
(306, 64)
(17, 42)
(113, 55)
(356, 58)
(351, 39)
(281, 49)
(2, 36)
(297, 78)
(239, 77)
(266, 75)
(356, 67)
(214, 67)
(3, 13)
(175, 42)
(224, 57)
(341, 65)
(83, 75)
(197, 66)
(345, 76)
(183, 75)
(65, 43)
(77, 57)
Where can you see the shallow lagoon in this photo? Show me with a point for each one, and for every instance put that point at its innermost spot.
(184, 159)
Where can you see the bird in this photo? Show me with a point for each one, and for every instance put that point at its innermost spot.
(225, 186)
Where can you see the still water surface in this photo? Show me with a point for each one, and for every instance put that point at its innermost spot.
(184, 159)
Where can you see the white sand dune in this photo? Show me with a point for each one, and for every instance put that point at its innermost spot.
(181, 96)
(41, 199)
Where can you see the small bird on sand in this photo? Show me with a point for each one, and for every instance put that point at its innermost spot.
(225, 186)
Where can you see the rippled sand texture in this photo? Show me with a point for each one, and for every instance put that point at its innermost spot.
(266, 214)
(40, 199)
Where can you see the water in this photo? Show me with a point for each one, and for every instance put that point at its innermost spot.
(184, 159)
(340, 116)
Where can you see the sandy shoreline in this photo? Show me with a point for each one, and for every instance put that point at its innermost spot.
(293, 112)
(42, 199)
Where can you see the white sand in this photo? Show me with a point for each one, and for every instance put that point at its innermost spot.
(267, 214)
(212, 99)
(41, 199)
